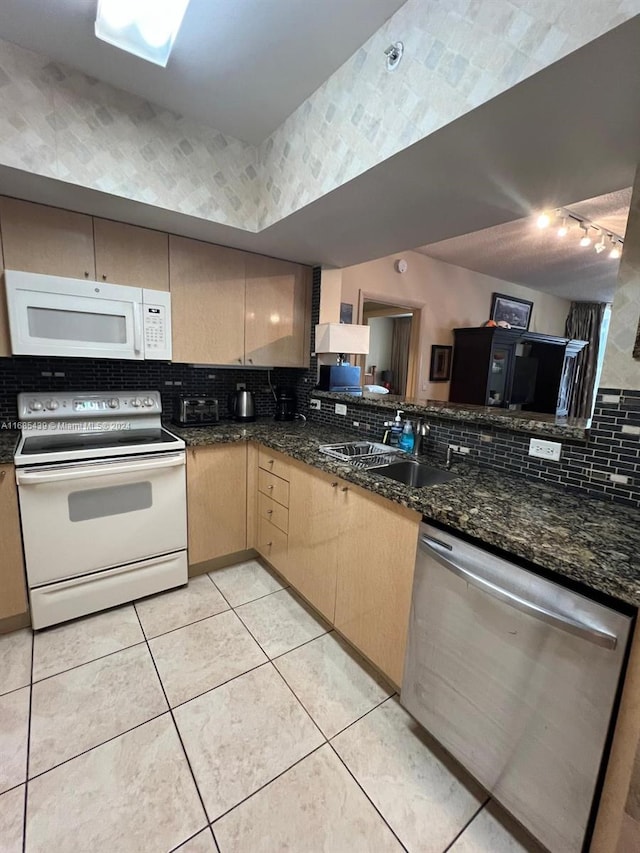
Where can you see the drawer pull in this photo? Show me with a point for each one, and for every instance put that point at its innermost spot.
(345, 488)
(271, 461)
(334, 485)
(269, 512)
(270, 487)
(269, 544)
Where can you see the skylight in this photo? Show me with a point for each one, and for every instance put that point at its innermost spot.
(146, 28)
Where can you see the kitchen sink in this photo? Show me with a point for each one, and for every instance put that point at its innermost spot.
(414, 473)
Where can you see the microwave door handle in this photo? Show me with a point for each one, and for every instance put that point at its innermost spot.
(551, 617)
(137, 327)
(104, 469)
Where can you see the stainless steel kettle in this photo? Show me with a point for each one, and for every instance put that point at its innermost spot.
(242, 406)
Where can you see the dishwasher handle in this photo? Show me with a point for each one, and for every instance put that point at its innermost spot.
(558, 620)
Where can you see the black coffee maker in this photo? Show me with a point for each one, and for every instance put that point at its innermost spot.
(286, 404)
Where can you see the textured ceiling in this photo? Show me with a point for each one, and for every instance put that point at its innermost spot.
(521, 252)
(241, 66)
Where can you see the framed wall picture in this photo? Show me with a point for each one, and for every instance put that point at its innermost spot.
(346, 313)
(515, 312)
(440, 368)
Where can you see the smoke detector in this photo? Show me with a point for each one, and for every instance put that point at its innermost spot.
(394, 55)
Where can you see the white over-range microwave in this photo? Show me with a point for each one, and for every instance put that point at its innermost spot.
(50, 315)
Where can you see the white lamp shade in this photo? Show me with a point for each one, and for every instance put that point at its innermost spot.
(342, 337)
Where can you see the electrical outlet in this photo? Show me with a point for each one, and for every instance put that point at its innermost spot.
(241, 386)
(315, 404)
(340, 409)
(545, 449)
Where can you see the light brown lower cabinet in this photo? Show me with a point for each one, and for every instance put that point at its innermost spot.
(351, 555)
(216, 501)
(13, 589)
(376, 557)
(313, 537)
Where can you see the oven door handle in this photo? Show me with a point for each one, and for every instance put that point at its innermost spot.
(103, 469)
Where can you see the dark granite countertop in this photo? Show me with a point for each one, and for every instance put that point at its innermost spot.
(8, 441)
(534, 423)
(584, 539)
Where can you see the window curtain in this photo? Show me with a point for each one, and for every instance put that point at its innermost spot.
(400, 353)
(584, 324)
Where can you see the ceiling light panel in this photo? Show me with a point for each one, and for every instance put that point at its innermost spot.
(146, 28)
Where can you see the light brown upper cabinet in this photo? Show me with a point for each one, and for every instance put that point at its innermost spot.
(42, 239)
(277, 313)
(127, 254)
(207, 302)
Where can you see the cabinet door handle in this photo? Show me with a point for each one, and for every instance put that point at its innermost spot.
(269, 512)
(250, 360)
(86, 274)
(269, 544)
(334, 485)
(270, 487)
(104, 277)
(239, 360)
(3, 474)
(345, 488)
(271, 461)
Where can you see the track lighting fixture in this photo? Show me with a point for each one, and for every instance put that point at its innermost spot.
(563, 219)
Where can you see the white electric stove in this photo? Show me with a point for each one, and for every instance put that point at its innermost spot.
(102, 496)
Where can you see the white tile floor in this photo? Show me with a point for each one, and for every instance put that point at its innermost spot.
(222, 716)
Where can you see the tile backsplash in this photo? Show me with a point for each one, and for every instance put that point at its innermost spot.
(607, 465)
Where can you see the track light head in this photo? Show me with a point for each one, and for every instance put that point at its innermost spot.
(585, 240)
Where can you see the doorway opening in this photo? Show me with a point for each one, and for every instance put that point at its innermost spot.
(393, 346)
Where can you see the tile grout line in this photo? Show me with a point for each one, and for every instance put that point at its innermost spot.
(380, 815)
(26, 781)
(251, 600)
(175, 725)
(468, 824)
(266, 784)
(95, 746)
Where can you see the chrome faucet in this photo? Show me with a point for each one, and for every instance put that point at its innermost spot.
(421, 431)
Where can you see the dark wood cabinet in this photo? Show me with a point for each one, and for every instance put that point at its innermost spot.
(513, 369)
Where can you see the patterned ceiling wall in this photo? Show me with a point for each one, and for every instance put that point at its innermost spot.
(60, 123)
(458, 55)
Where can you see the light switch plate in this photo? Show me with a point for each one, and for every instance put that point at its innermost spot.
(545, 449)
(341, 409)
(315, 404)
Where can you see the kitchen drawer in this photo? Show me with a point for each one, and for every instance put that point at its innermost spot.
(274, 463)
(273, 512)
(272, 542)
(274, 487)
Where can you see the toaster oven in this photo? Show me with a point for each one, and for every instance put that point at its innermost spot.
(195, 411)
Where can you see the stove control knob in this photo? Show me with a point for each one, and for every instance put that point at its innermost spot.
(113, 403)
(35, 406)
(136, 402)
(147, 401)
(52, 405)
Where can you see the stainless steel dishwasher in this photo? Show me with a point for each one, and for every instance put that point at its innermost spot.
(516, 676)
